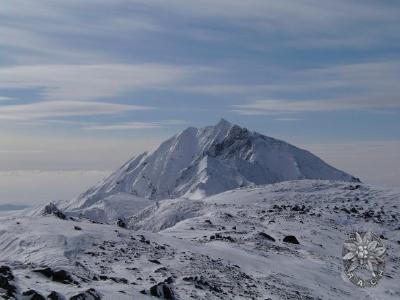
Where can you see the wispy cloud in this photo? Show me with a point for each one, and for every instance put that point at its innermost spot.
(318, 24)
(363, 86)
(19, 151)
(287, 106)
(225, 88)
(288, 119)
(322, 11)
(53, 30)
(50, 109)
(5, 98)
(25, 26)
(270, 107)
(88, 82)
(134, 125)
(370, 81)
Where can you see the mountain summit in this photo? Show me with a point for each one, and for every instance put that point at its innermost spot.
(198, 162)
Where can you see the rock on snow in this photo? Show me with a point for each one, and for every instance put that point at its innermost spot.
(212, 249)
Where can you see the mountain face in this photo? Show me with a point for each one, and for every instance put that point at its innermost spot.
(199, 162)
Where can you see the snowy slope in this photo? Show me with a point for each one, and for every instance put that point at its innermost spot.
(213, 248)
(200, 162)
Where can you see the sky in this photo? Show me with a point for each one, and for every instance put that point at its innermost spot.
(85, 84)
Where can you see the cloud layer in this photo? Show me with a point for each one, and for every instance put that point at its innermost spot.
(89, 82)
(54, 109)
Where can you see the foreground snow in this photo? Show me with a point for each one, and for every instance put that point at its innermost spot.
(227, 246)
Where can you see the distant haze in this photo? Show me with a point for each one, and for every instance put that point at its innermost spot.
(375, 163)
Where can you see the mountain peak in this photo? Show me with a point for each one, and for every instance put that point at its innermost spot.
(223, 126)
(223, 123)
(205, 161)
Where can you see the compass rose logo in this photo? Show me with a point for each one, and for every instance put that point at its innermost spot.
(364, 258)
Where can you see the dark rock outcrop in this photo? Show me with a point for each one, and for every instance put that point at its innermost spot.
(291, 239)
(90, 294)
(266, 236)
(155, 261)
(52, 209)
(161, 290)
(6, 278)
(55, 296)
(61, 276)
(33, 295)
(121, 223)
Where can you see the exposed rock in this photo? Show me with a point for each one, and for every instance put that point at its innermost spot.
(52, 209)
(202, 284)
(345, 210)
(121, 223)
(368, 214)
(33, 295)
(169, 280)
(161, 270)
(55, 296)
(6, 277)
(220, 237)
(354, 187)
(155, 261)
(162, 290)
(298, 208)
(291, 239)
(266, 236)
(119, 280)
(61, 276)
(354, 210)
(90, 294)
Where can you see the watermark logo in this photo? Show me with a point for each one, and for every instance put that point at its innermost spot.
(364, 259)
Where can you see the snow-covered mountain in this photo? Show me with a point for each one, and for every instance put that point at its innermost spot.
(199, 162)
(204, 216)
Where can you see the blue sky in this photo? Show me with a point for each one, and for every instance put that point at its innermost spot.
(82, 79)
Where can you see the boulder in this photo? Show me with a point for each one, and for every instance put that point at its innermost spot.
(291, 239)
(6, 278)
(90, 294)
(55, 296)
(161, 290)
(33, 295)
(61, 276)
(52, 209)
(121, 223)
(266, 236)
